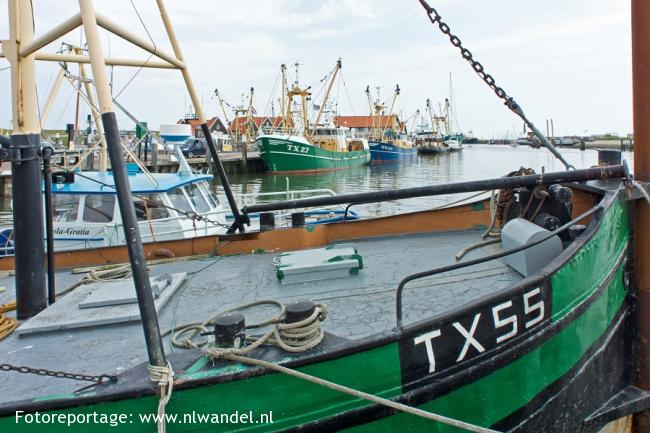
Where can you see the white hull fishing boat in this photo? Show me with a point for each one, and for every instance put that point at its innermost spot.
(168, 207)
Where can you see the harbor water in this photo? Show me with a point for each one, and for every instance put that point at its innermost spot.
(474, 162)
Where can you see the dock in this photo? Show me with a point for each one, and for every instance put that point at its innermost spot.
(232, 164)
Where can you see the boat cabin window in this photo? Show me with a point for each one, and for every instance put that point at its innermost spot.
(99, 208)
(196, 198)
(65, 207)
(151, 205)
(325, 131)
(179, 201)
(214, 201)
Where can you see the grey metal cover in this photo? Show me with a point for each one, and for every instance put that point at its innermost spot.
(518, 232)
(119, 292)
(334, 261)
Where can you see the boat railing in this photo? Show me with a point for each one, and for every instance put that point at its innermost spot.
(245, 199)
(202, 224)
(278, 131)
(288, 194)
(205, 224)
(400, 287)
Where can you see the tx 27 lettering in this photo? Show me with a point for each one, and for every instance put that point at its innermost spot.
(299, 149)
(497, 324)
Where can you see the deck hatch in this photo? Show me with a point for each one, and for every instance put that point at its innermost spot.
(335, 261)
(66, 313)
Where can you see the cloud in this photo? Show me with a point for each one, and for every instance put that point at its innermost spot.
(560, 59)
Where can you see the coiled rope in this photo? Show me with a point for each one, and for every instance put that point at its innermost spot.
(183, 336)
(7, 324)
(294, 337)
(119, 273)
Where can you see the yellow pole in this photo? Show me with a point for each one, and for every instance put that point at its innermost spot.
(98, 122)
(327, 94)
(196, 102)
(26, 176)
(390, 112)
(51, 98)
(283, 96)
(23, 90)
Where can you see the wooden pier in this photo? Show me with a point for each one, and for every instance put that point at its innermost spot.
(232, 163)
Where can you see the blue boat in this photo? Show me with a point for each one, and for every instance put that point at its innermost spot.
(394, 147)
(387, 141)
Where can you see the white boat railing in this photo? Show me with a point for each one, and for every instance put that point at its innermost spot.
(282, 216)
(278, 131)
(203, 227)
(288, 195)
(207, 226)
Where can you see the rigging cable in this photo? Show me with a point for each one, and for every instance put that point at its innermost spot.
(268, 103)
(347, 93)
(155, 48)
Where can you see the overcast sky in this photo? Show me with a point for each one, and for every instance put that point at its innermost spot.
(568, 60)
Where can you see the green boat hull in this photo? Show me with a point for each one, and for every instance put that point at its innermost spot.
(281, 155)
(578, 345)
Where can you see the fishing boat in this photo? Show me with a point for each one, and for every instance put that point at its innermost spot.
(309, 147)
(388, 142)
(433, 142)
(453, 143)
(368, 325)
(168, 206)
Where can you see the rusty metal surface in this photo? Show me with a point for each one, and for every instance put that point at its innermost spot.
(641, 104)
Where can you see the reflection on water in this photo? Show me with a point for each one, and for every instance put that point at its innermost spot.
(473, 163)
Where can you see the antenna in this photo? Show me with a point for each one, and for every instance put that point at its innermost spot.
(296, 65)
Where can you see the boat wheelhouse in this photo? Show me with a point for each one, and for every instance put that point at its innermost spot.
(453, 143)
(168, 207)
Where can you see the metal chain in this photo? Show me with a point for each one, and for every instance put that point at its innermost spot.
(509, 102)
(436, 18)
(97, 380)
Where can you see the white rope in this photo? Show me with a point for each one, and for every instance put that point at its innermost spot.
(164, 377)
(119, 273)
(360, 394)
(305, 335)
(642, 190)
(94, 276)
(183, 335)
(295, 337)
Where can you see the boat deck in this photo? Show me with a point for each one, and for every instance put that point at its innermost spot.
(359, 305)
